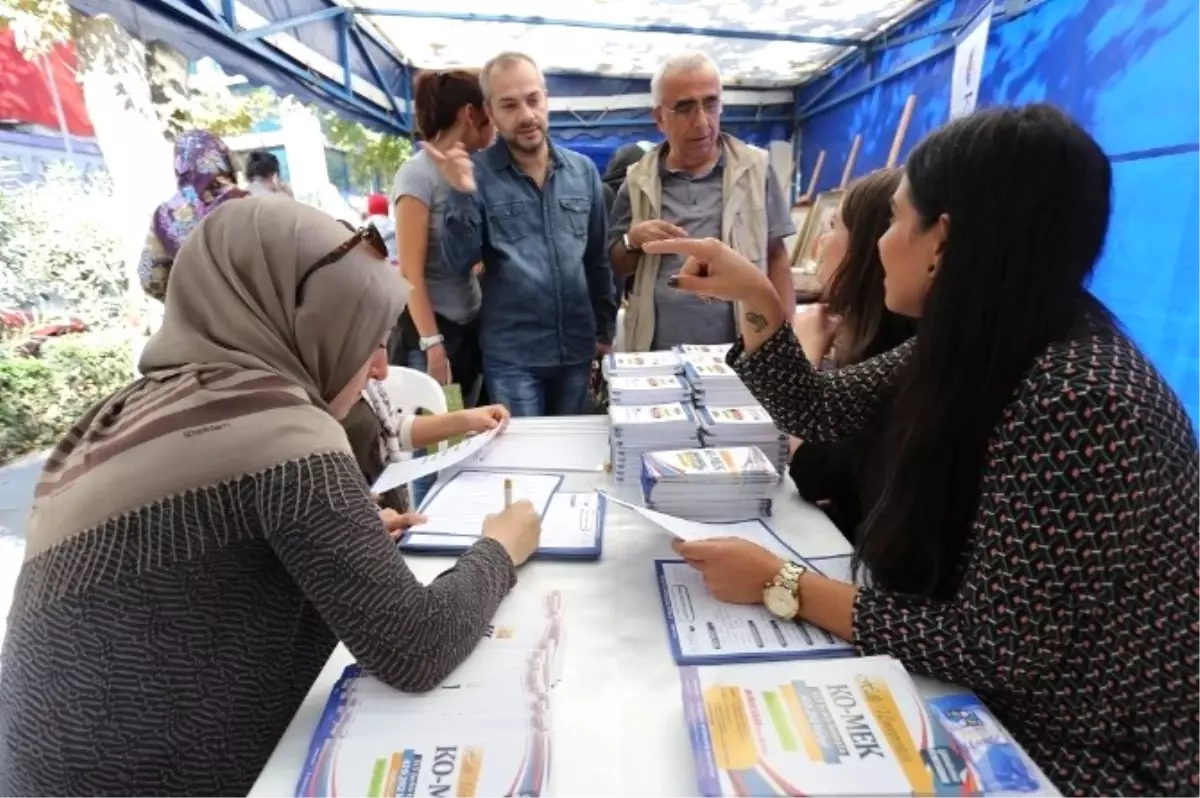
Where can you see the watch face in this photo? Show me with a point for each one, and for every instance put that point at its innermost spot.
(780, 601)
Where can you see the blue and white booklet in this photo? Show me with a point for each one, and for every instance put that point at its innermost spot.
(845, 727)
(484, 731)
(705, 631)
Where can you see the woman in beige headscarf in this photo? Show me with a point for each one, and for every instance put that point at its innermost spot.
(202, 539)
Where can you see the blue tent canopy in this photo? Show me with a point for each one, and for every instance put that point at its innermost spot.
(358, 57)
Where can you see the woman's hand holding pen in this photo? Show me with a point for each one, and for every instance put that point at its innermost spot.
(518, 529)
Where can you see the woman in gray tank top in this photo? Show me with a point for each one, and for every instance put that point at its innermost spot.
(439, 332)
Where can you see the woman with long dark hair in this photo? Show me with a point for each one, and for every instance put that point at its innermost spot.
(1036, 538)
(838, 476)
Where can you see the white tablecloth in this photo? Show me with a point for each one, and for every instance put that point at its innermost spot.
(618, 726)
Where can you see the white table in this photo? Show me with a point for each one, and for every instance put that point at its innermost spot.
(618, 726)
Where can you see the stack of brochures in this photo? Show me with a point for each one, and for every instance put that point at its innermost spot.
(640, 364)
(649, 428)
(631, 391)
(844, 727)
(706, 351)
(484, 731)
(744, 425)
(715, 383)
(730, 484)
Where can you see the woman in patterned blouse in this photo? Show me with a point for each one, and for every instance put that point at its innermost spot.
(1036, 539)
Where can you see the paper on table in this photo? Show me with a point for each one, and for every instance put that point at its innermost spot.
(459, 506)
(569, 524)
(753, 530)
(570, 521)
(547, 450)
(406, 471)
(705, 630)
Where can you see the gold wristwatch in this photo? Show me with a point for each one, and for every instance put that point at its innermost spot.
(782, 594)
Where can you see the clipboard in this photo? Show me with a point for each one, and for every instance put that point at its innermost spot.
(813, 643)
(433, 543)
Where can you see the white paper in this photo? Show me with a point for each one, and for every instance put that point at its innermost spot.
(402, 473)
(460, 506)
(569, 523)
(707, 628)
(544, 451)
(753, 530)
(969, 57)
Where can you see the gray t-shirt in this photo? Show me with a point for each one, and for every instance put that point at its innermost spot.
(454, 296)
(695, 203)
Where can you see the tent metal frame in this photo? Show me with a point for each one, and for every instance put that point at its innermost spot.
(217, 18)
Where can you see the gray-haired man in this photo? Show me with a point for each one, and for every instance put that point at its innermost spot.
(701, 184)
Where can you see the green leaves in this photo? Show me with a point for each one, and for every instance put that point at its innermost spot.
(373, 157)
(60, 243)
(44, 396)
(37, 25)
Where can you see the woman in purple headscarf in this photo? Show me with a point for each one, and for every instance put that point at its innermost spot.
(205, 175)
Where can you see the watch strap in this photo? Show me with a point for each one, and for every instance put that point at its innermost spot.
(429, 341)
(789, 578)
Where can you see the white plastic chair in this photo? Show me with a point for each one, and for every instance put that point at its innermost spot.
(409, 390)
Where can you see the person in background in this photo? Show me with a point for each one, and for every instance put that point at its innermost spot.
(439, 333)
(614, 178)
(1036, 538)
(534, 213)
(202, 539)
(262, 174)
(699, 183)
(379, 435)
(379, 215)
(839, 476)
(205, 178)
(614, 173)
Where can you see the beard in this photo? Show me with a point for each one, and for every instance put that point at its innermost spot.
(520, 139)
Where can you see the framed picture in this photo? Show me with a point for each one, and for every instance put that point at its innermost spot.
(818, 220)
(800, 214)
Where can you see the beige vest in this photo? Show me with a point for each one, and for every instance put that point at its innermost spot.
(743, 225)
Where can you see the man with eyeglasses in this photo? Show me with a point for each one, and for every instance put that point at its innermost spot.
(700, 183)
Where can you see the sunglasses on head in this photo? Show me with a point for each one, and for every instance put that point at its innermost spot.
(365, 234)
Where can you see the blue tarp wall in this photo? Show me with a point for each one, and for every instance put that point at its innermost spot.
(1127, 71)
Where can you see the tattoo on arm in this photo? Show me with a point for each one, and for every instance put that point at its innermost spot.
(757, 320)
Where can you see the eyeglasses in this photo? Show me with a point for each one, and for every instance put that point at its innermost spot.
(689, 108)
(367, 234)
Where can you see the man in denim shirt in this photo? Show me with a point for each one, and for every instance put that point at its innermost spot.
(535, 215)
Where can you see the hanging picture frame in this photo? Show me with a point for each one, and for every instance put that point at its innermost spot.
(818, 221)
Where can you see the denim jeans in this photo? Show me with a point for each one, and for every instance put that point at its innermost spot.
(538, 390)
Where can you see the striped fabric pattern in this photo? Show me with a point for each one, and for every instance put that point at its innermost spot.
(165, 651)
